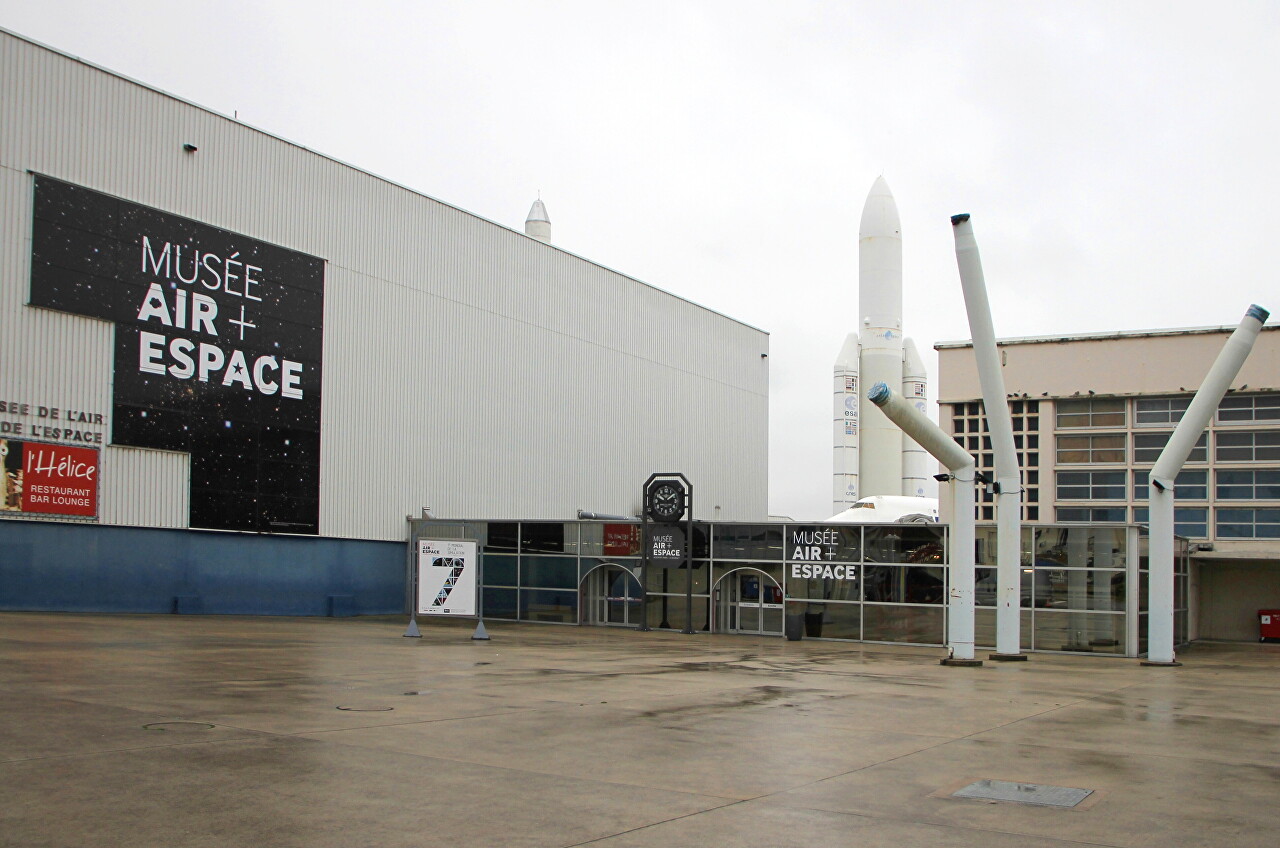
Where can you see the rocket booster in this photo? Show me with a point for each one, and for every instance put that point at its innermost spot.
(871, 454)
(845, 423)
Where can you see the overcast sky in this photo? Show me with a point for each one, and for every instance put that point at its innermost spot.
(1121, 160)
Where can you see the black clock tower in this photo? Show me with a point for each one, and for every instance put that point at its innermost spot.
(668, 497)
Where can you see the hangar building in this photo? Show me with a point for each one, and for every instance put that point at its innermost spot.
(230, 366)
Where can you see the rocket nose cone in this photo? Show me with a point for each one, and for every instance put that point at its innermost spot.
(880, 212)
(538, 212)
(848, 357)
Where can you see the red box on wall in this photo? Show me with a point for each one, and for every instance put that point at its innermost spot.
(1269, 625)
(48, 478)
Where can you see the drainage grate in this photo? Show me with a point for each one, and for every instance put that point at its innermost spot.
(178, 726)
(1024, 793)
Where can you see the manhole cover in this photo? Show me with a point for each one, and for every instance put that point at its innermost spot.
(178, 726)
(365, 709)
(1024, 793)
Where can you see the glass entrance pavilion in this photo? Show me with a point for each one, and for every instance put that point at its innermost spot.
(1084, 587)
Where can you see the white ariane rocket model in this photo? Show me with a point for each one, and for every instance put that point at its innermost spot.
(872, 456)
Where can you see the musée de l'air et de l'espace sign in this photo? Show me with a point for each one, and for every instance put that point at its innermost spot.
(218, 341)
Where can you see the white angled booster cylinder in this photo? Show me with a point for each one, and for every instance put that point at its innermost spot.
(1160, 631)
(915, 459)
(928, 435)
(880, 319)
(1008, 482)
(844, 436)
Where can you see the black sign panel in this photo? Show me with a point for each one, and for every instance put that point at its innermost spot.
(667, 546)
(218, 343)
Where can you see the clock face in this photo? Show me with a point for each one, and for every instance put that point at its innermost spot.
(666, 501)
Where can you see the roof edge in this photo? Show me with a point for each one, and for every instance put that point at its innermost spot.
(1114, 334)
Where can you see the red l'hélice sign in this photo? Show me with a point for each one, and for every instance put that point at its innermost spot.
(59, 480)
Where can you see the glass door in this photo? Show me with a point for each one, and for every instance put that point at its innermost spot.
(749, 618)
(749, 602)
(770, 608)
(611, 597)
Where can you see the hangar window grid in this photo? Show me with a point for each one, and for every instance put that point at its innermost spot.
(1108, 453)
(1247, 484)
(1091, 486)
(1230, 447)
(1093, 515)
(1244, 523)
(1188, 486)
(1091, 412)
(1191, 522)
(1093, 449)
(1076, 500)
(1247, 446)
(1157, 411)
(969, 424)
(1147, 447)
(1249, 409)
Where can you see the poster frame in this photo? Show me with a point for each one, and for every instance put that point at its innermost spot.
(96, 485)
(464, 552)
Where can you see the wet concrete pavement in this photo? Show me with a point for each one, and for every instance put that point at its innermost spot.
(222, 731)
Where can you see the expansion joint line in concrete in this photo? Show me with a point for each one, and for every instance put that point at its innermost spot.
(111, 751)
(664, 821)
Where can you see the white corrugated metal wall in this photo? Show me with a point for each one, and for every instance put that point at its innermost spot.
(466, 366)
(144, 488)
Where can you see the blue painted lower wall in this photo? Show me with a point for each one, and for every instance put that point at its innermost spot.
(54, 566)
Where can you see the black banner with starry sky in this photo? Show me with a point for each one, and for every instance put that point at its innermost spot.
(218, 341)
